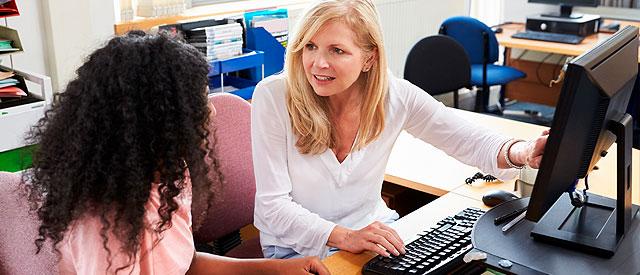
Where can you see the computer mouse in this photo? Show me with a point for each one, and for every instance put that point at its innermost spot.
(495, 197)
(497, 30)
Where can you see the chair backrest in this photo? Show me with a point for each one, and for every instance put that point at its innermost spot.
(438, 64)
(18, 231)
(469, 32)
(233, 203)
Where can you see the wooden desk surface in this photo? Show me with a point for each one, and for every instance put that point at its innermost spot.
(420, 166)
(602, 181)
(504, 39)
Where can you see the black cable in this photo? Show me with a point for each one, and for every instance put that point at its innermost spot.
(586, 183)
(521, 55)
(540, 66)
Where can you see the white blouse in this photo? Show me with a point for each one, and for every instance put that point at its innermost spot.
(300, 198)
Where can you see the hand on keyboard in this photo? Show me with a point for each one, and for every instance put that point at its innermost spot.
(439, 250)
(376, 237)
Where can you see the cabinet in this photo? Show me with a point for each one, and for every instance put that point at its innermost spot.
(17, 116)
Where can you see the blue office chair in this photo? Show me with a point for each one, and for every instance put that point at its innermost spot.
(481, 46)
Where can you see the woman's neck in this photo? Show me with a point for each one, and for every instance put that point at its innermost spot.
(347, 101)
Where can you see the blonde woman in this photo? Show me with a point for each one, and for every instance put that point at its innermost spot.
(323, 130)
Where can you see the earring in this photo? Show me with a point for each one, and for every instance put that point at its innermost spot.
(366, 69)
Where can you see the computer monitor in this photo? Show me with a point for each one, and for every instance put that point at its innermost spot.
(566, 7)
(590, 116)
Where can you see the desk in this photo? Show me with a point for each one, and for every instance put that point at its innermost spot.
(505, 40)
(420, 166)
(530, 89)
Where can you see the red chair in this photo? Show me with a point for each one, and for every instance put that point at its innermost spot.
(18, 231)
(233, 202)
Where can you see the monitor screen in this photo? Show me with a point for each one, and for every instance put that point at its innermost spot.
(596, 90)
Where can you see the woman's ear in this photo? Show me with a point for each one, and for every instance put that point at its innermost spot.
(370, 61)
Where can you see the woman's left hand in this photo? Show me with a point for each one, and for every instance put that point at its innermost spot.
(530, 152)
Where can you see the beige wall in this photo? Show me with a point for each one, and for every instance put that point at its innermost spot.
(74, 28)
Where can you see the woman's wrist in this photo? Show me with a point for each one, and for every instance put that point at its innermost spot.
(338, 236)
(518, 153)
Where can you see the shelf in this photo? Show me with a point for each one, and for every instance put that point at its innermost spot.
(218, 76)
(249, 59)
(244, 86)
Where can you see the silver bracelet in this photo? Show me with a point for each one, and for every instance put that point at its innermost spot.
(506, 154)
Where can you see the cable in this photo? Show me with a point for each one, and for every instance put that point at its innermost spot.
(521, 55)
(562, 57)
(586, 183)
(538, 69)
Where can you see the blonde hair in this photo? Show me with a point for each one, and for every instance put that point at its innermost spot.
(309, 113)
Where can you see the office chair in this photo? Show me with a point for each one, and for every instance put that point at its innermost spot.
(18, 231)
(233, 200)
(481, 46)
(438, 64)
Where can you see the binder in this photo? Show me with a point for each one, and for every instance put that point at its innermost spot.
(8, 8)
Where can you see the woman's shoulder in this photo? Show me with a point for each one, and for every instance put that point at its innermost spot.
(400, 90)
(276, 83)
(83, 247)
(399, 85)
(270, 90)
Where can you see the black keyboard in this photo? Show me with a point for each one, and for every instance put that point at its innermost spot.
(437, 250)
(548, 36)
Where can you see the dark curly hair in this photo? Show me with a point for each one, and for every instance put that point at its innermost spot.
(136, 114)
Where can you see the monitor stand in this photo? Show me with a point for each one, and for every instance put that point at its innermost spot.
(566, 11)
(599, 226)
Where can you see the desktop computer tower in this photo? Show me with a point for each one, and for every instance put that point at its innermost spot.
(583, 26)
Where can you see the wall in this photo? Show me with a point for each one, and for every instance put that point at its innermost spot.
(60, 34)
(73, 29)
(57, 35)
(517, 10)
(618, 13)
(405, 22)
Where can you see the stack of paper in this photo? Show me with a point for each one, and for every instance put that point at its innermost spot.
(217, 42)
(277, 26)
(276, 22)
(6, 46)
(8, 86)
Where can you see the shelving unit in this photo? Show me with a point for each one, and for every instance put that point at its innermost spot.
(18, 114)
(261, 40)
(220, 69)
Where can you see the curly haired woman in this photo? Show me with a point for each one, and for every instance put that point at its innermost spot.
(119, 155)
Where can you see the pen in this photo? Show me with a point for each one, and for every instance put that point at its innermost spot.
(514, 222)
(501, 219)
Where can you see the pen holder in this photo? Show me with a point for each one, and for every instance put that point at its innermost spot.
(525, 182)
